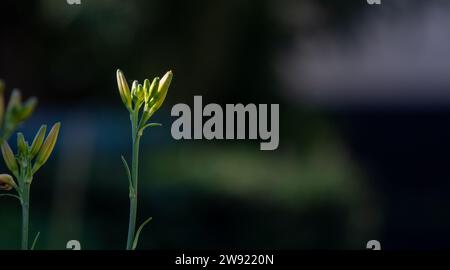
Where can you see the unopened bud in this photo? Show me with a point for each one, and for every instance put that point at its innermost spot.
(15, 99)
(27, 109)
(164, 84)
(10, 159)
(134, 87)
(7, 182)
(146, 89)
(124, 90)
(140, 93)
(38, 140)
(47, 147)
(153, 89)
(22, 146)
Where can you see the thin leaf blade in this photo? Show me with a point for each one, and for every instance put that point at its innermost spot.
(10, 195)
(138, 233)
(127, 169)
(35, 240)
(141, 130)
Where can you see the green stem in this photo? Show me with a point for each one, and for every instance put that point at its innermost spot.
(134, 180)
(25, 215)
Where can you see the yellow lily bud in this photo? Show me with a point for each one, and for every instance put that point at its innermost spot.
(157, 94)
(148, 112)
(140, 93)
(7, 182)
(164, 84)
(124, 90)
(21, 144)
(15, 99)
(134, 87)
(10, 159)
(28, 109)
(14, 104)
(153, 89)
(47, 147)
(146, 88)
(38, 140)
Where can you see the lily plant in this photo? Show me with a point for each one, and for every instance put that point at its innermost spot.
(23, 166)
(142, 101)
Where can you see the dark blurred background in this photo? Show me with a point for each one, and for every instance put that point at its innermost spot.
(364, 94)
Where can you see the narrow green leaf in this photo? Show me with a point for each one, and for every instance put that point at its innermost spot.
(136, 238)
(11, 195)
(141, 130)
(127, 169)
(152, 125)
(35, 240)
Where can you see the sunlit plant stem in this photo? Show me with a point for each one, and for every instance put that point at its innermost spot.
(142, 102)
(136, 138)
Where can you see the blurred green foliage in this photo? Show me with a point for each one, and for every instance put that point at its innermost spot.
(308, 194)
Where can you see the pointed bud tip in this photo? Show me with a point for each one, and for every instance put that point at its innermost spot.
(56, 126)
(15, 92)
(32, 101)
(168, 74)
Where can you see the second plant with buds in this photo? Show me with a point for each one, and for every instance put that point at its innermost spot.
(142, 101)
(23, 165)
